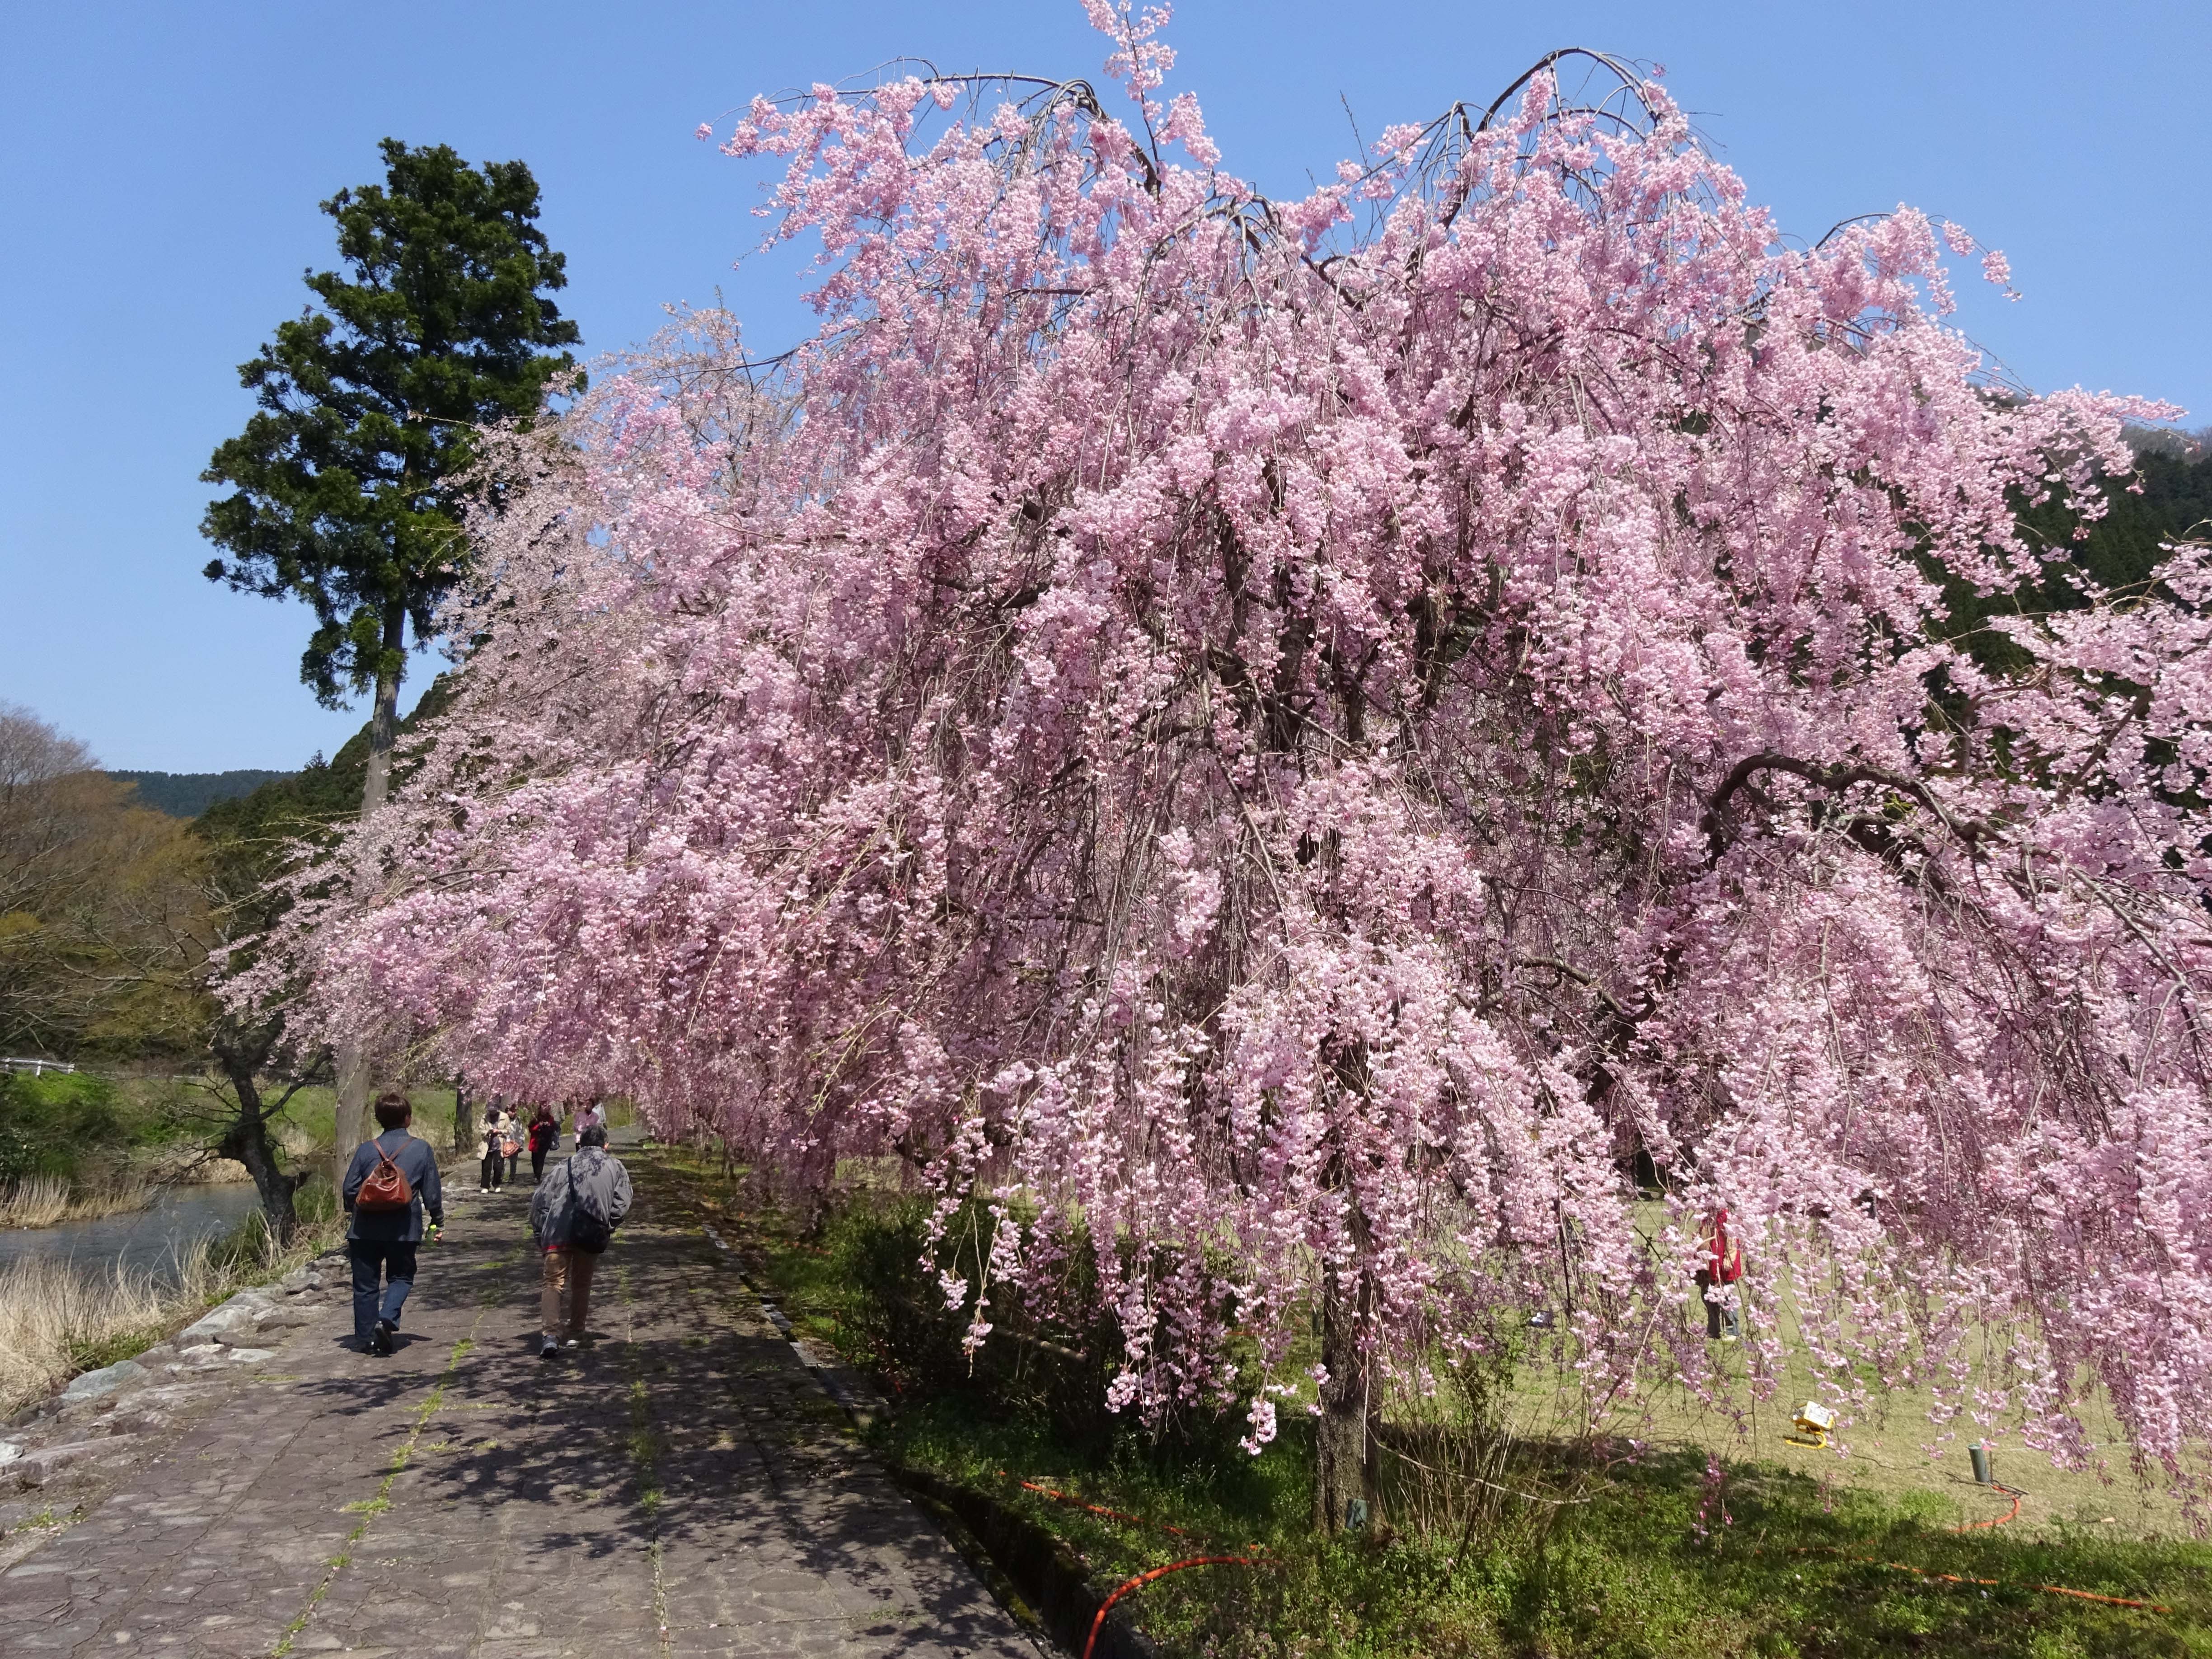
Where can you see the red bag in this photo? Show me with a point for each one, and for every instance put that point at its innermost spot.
(386, 1187)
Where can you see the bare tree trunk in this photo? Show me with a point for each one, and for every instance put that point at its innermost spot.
(464, 1114)
(246, 1139)
(1344, 1444)
(353, 1065)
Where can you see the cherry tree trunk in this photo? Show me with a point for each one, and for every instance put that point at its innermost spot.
(1344, 1441)
(248, 1140)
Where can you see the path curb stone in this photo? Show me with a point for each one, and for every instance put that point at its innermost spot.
(91, 1384)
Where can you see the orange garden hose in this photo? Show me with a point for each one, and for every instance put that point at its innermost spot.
(1098, 1619)
(2012, 1513)
(1146, 1577)
(2015, 1494)
(1096, 1509)
(1993, 1583)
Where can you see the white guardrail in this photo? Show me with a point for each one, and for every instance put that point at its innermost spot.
(34, 1066)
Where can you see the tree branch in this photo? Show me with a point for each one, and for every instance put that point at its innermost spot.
(1834, 779)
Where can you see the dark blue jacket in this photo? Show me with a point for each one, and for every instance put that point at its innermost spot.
(419, 1165)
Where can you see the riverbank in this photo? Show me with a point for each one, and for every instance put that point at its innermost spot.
(89, 1293)
(61, 1314)
(80, 1146)
(48, 1201)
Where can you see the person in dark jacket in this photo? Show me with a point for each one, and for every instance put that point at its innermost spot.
(544, 1130)
(382, 1242)
(572, 1218)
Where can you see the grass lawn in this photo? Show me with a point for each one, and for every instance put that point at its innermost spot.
(1788, 1552)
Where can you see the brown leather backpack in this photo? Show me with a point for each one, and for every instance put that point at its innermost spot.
(386, 1187)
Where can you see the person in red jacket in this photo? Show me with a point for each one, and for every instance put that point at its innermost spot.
(544, 1130)
(1716, 1278)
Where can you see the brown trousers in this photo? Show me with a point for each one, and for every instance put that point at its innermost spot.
(567, 1271)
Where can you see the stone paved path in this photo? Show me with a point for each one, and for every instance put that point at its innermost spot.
(681, 1487)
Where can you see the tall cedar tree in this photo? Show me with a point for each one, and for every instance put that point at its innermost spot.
(349, 479)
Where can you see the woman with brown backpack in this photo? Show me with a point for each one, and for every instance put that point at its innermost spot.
(389, 1187)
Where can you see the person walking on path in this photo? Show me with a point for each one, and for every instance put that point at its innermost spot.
(544, 1131)
(491, 1155)
(510, 1129)
(572, 1220)
(389, 1186)
(593, 1116)
(1716, 1278)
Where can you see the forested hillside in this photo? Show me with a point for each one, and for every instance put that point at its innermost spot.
(2176, 474)
(188, 794)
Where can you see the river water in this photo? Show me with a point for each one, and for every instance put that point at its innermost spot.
(144, 1240)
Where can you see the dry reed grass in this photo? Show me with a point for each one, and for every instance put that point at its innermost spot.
(1455, 1461)
(48, 1201)
(50, 1310)
(59, 1317)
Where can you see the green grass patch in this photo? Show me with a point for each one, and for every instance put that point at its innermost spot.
(110, 1348)
(1656, 1558)
(1659, 1562)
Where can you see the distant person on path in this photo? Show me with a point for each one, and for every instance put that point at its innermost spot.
(593, 1116)
(544, 1131)
(510, 1129)
(390, 1185)
(1716, 1278)
(491, 1156)
(573, 1219)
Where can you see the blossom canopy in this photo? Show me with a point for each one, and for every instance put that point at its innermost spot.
(1292, 745)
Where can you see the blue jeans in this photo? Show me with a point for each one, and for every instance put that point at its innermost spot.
(395, 1259)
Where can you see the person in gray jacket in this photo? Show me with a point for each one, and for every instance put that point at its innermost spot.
(572, 1216)
(380, 1235)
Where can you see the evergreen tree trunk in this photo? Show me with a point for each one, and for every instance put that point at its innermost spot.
(384, 723)
(350, 1126)
(352, 1114)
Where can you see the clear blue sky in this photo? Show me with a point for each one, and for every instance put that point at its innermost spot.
(160, 165)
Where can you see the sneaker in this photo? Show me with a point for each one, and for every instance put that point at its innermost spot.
(570, 1343)
(484, 1189)
(548, 1349)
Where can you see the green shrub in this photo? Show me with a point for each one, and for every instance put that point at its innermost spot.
(1053, 1350)
(57, 1123)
